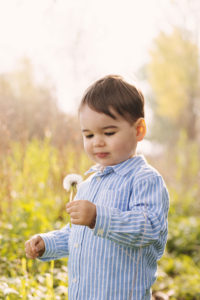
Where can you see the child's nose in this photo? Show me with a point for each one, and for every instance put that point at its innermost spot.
(98, 141)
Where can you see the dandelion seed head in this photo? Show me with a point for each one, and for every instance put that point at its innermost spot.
(71, 180)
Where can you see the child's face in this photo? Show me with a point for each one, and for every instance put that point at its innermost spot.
(107, 141)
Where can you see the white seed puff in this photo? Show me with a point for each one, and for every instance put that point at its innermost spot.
(71, 180)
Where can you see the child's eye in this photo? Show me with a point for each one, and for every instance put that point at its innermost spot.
(109, 133)
(89, 136)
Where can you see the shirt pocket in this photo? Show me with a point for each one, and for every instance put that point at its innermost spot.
(115, 198)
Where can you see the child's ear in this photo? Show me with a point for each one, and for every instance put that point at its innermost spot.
(140, 126)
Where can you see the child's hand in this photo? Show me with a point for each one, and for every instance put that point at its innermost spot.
(82, 212)
(34, 247)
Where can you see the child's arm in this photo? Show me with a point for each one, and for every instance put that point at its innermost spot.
(55, 244)
(146, 220)
(140, 226)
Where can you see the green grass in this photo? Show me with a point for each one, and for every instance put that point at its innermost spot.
(32, 200)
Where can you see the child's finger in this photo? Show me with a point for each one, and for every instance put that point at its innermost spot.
(28, 255)
(40, 246)
(73, 203)
(69, 204)
(76, 221)
(27, 247)
(71, 209)
(33, 244)
(28, 250)
(75, 215)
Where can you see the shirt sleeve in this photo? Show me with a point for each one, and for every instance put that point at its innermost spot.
(56, 244)
(146, 220)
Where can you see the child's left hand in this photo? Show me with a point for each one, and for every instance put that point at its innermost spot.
(82, 212)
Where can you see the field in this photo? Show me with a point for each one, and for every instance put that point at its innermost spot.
(32, 200)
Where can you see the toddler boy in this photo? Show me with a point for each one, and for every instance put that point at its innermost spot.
(119, 215)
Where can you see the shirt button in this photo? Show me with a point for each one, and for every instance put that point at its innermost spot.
(100, 232)
(74, 280)
(76, 245)
(98, 178)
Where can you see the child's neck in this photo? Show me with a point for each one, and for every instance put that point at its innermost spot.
(101, 168)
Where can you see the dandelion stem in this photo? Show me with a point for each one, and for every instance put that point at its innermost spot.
(71, 195)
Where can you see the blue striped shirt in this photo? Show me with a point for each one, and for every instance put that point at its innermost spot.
(117, 260)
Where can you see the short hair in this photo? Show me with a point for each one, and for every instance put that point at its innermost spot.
(113, 92)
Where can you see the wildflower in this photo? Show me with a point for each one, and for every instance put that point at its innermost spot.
(71, 182)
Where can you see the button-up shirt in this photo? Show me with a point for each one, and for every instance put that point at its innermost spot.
(117, 260)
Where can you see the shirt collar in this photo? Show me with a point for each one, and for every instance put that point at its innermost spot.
(122, 168)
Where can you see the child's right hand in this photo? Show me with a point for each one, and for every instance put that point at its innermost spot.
(34, 247)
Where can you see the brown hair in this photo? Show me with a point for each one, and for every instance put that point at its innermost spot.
(113, 91)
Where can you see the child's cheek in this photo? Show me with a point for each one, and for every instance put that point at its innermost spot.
(86, 147)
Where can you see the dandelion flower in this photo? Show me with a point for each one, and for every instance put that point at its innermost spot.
(71, 180)
(70, 183)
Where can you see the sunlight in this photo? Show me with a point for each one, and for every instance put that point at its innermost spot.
(73, 44)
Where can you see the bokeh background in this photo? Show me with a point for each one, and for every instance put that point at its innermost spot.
(50, 52)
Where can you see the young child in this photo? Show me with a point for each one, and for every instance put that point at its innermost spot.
(119, 215)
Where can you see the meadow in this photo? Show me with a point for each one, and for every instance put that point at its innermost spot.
(32, 200)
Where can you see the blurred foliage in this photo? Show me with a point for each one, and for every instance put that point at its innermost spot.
(33, 200)
(179, 269)
(173, 73)
(29, 109)
(174, 60)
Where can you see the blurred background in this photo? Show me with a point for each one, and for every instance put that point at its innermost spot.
(50, 52)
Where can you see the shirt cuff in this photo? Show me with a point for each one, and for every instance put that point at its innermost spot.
(102, 224)
(50, 245)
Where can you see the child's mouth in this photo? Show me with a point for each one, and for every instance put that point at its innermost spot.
(102, 154)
